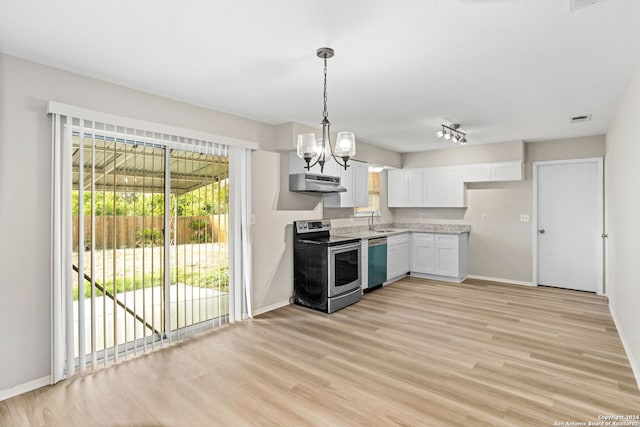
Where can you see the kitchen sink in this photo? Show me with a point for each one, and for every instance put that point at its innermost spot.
(385, 231)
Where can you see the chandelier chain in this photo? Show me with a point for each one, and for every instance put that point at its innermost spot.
(325, 113)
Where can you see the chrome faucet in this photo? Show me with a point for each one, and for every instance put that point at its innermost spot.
(371, 219)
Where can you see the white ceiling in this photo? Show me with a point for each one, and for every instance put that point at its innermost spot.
(505, 69)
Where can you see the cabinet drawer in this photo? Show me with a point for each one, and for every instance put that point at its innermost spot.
(446, 240)
(423, 237)
(397, 239)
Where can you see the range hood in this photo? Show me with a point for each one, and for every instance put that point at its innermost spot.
(309, 182)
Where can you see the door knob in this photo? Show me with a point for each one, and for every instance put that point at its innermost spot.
(541, 231)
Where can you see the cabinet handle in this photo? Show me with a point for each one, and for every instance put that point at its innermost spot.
(541, 231)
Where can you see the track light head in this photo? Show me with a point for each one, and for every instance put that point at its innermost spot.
(451, 132)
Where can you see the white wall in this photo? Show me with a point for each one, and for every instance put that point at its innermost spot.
(273, 231)
(622, 219)
(25, 192)
(500, 247)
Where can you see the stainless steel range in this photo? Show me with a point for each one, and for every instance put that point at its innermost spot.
(326, 268)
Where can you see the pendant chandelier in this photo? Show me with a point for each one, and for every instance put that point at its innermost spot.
(319, 151)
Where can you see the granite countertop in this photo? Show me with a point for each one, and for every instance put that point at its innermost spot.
(382, 230)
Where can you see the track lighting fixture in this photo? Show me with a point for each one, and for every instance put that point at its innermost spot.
(452, 133)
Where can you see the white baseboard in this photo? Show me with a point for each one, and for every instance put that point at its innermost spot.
(635, 367)
(440, 278)
(501, 280)
(23, 388)
(263, 310)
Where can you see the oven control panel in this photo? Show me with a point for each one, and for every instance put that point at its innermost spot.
(312, 226)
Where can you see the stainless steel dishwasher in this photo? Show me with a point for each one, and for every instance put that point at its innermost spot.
(377, 262)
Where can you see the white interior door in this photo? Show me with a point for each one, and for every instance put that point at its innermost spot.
(569, 224)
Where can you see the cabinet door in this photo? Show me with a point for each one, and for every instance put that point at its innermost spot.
(404, 266)
(506, 171)
(361, 184)
(347, 198)
(413, 181)
(447, 255)
(396, 190)
(480, 172)
(453, 188)
(432, 187)
(423, 253)
(392, 261)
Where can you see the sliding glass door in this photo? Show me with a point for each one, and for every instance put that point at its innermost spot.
(149, 236)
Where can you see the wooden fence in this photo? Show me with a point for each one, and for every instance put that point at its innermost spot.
(136, 231)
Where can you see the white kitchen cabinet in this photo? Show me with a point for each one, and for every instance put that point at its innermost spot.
(396, 190)
(355, 179)
(488, 172)
(439, 256)
(397, 256)
(432, 187)
(413, 187)
(480, 172)
(447, 262)
(423, 253)
(443, 187)
(453, 192)
(404, 188)
(506, 171)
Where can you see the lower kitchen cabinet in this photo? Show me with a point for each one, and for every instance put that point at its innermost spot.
(439, 256)
(397, 256)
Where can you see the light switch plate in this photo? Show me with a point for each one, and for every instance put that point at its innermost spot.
(524, 218)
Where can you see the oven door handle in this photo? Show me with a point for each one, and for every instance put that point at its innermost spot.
(344, 248)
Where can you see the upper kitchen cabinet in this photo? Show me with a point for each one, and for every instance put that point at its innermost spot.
(443, 187)
(488, 172)
(404, 188)
(356, 180)
(453, 194)
(396, 191)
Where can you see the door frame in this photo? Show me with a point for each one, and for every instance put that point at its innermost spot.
(534, 239)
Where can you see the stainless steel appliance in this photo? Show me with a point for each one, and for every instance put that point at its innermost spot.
(377, 267)
(326, 268)
(309, 182)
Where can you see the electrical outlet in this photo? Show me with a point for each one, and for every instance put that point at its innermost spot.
(485, 217)
(253, 219)
(352, 218)
(524, 218)
(421, 215)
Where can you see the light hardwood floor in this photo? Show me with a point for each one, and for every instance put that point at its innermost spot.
(416, 353)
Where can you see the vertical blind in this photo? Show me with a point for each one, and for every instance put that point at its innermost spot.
(146, 249)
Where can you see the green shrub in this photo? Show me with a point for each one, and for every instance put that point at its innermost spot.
(148, 236)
